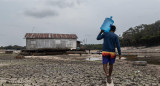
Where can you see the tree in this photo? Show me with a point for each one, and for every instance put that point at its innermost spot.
(142, 35)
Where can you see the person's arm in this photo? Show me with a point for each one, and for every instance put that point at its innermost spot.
(100, 35)
(118, 47)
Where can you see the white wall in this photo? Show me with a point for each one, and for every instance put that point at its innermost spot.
(51, 43)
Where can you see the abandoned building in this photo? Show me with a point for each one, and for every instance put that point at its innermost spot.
(51, 41)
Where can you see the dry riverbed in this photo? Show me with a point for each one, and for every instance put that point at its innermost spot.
(72, 70)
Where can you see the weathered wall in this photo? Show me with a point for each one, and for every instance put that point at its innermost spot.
(51, 43)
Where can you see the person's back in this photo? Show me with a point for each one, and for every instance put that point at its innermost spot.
(110, 41)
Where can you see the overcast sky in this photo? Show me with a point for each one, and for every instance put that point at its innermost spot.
(81, 17)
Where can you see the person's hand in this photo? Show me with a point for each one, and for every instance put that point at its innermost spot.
(102, 31)
(119, 56)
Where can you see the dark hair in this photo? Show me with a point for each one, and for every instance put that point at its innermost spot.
(113, 28)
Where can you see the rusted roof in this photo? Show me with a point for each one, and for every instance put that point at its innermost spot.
(50, 36)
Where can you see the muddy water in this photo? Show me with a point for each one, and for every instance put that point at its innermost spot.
(143, 54)
(151, 58)
(93, 59)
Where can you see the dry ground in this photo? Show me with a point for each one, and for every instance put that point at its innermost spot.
(72, 70)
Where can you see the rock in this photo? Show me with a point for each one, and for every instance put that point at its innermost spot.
(139, 63)
(7, 82)
(64, 79)
(159, 79)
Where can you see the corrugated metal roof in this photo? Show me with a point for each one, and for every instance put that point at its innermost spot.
(50, 36)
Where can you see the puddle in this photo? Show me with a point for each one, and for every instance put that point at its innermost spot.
(93, 59)
(3, 65)
(150, 59)
(123, 58)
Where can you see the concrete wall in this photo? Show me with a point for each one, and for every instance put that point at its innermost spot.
(51, 43)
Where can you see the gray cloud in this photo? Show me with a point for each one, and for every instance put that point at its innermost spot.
(64, 3)
(41, 13)
(61, 4)
(81, 17)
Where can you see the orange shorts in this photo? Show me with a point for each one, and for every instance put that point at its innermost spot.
(111, 54)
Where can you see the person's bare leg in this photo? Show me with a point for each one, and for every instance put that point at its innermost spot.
(110, 69)
(110, 73)
(105, 69)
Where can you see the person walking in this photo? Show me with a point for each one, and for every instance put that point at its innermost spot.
(110, 41)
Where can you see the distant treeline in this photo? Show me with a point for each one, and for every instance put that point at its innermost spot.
(15, 47)
(93, 46)
(142, 35)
